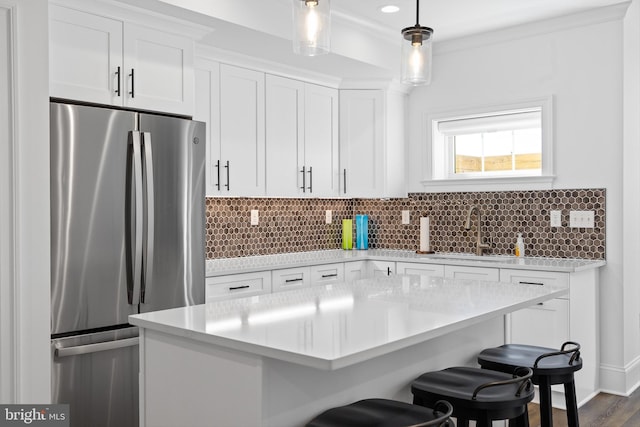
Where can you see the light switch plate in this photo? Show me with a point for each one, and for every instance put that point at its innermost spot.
(405, 217)
(328, 216)
(254, 217)
(556, 218)
(581, 219)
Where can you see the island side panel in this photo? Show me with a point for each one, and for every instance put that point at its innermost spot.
(185, 382)
(294, 394)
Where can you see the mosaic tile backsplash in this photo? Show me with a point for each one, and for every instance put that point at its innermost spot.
(298, 225)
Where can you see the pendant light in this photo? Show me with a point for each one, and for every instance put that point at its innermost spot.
(311, 27)
(416, 53)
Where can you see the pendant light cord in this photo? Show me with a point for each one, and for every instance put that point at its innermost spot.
(417, 13)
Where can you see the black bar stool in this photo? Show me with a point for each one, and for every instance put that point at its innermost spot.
(384, 413)
(550, 367)
(478, 394)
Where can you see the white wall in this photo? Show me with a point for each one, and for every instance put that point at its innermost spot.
(579, 61)
(27, 198)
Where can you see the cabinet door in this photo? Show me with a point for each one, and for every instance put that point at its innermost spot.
(285, 137)
(158, 70)
(85, 53)
(355, 270)
(362, 170)
(321, 140)
(545, 324)
(421, 269)
(328, 273)
(207, 110)
(380, 268)
(473, 273)
(237, 286)
(290, 278)
(242, 138)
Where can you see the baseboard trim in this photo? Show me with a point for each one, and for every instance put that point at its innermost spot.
(620, 381)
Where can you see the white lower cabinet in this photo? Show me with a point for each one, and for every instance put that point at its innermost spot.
(290, 278)
(354, 270)
(237, 285)
(380, 268)
(421, 269)
(327, 273)
(472, 273)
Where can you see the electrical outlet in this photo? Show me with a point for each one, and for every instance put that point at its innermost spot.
(405, 217)
(328, 216)
(556, 218)
(581, 219)
(254, 217)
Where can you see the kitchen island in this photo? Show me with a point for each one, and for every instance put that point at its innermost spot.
(279, 359)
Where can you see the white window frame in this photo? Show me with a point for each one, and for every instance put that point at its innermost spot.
(438, 152)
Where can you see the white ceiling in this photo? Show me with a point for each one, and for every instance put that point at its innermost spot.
(457, 18)
(365, 42)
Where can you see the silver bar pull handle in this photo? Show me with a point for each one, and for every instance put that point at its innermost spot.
(132, 92)
(310, 179)
(149, 209)
(227, 166)
(136, 249)
(304, 179)
(118, 81)
(218, 169)
(94, 348)
(344, 181)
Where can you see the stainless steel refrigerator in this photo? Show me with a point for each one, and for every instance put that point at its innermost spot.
(127, 236)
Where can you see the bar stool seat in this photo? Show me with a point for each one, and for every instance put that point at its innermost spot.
(550, 366)
(384, 413)
(478, 394)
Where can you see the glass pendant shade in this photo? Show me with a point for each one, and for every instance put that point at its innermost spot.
(416, 55)
(311, 27)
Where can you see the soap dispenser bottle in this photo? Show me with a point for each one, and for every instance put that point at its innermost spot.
(519, 246)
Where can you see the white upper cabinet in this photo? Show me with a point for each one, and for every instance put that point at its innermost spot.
(108, 61)
(301, 138)
(230, 100)
(85, 56)
(372, 143)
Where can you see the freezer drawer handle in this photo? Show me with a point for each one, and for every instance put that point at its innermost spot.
(94, 348)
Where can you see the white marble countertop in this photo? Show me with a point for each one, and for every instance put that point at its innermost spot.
(221, 267)
(333, 326)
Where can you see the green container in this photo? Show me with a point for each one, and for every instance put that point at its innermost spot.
(347, 234)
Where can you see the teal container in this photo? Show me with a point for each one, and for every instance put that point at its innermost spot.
(362, 232)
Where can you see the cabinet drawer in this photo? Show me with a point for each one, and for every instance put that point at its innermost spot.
(541, 278)
(237, 285)
(290, 278)
(328, 273)
(472, 273)
(421, 269)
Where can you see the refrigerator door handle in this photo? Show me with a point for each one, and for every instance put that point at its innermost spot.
(94, 348)
(134, 294)
(149, 228)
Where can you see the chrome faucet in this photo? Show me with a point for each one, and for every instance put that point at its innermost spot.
(480, 246)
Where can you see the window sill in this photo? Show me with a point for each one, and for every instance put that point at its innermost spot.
(490, 184)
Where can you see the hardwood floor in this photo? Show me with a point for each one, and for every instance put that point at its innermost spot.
(604, 410)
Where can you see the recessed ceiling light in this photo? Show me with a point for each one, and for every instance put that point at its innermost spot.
(390, 8)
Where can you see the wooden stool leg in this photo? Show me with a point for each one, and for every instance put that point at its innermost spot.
(572, 406)
(546, 415)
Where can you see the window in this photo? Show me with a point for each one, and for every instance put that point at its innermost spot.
(504, 143)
